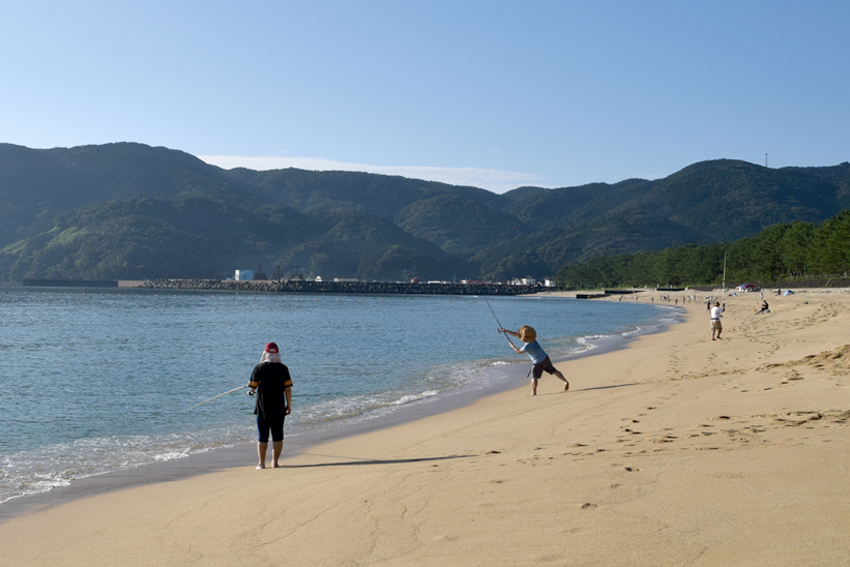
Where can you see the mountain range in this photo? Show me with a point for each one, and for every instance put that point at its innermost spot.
(131, 211)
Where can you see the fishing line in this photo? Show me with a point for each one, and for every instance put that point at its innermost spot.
(212, 398)
(507, 338)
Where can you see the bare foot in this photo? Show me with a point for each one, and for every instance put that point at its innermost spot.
(276, 466)
(566, 386)
(260, 467)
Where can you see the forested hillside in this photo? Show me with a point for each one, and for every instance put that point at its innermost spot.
(789, 252)
(131, 211)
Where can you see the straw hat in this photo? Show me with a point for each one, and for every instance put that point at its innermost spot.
(527, 334)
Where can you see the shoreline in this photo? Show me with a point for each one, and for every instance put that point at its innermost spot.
(675, 450)
(499, 379)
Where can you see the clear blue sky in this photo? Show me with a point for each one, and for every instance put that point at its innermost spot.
(489, 93)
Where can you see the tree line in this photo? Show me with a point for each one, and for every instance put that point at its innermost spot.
(779, 253)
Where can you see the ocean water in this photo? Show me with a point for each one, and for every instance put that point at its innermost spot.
(93, 381)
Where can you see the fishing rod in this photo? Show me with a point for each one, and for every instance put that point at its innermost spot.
(507, 338)
(214, 397)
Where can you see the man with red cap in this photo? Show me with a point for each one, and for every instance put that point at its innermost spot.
(273, 386)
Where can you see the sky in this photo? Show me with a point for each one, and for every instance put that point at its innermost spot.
(493, 94)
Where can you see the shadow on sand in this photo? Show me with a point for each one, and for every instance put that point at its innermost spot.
(356, 461)
(571, 390)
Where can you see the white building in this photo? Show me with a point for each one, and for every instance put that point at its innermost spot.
(244, 275)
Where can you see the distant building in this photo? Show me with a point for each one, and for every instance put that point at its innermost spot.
(244, 275)
(528, 280)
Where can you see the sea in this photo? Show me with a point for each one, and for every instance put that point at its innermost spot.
(96, 380)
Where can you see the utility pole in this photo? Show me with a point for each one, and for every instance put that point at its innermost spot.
(765, 160)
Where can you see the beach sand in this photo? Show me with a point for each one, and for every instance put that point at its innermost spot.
(676, 450)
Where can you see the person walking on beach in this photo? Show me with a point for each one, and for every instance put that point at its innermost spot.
(716, 314)
(538, 356)
(272, 384)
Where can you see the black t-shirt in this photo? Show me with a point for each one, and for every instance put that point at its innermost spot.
(273, 378)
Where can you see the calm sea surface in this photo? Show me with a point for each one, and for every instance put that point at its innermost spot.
(93, 381)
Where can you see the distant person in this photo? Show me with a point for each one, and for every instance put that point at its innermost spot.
(764, 308)
(273, 386)
(538, 356)
(716, 325)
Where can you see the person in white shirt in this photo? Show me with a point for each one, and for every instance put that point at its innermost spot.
(716, 314)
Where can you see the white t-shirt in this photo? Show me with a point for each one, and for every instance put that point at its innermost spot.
(716, 312)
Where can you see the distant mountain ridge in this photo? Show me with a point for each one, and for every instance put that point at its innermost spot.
(128, 211)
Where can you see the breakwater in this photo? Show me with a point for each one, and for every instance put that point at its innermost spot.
(70, 283)
(376, 288)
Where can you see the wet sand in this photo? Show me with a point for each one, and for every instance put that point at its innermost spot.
(676, 450)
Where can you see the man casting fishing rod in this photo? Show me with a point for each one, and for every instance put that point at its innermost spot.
(538, 356)
(273, 385)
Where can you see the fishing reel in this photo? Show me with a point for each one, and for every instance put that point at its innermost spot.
(250, 392)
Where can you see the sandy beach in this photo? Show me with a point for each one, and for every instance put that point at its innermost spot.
(676, 450)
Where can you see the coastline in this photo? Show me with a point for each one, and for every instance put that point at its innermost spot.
(497, 379)
(673, 450)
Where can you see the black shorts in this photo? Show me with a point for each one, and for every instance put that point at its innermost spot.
(275, 425)
(538, 369)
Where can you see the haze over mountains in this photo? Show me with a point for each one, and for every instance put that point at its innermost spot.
(130, 211)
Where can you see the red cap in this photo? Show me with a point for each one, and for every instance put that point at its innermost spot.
(271, 348)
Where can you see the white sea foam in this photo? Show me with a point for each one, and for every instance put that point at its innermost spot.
(586, 343)
(171, 456)
(415, 397)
